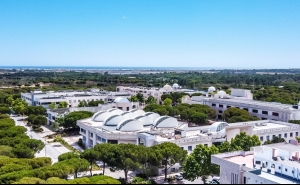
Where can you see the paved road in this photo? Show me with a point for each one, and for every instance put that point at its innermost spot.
(49, 150)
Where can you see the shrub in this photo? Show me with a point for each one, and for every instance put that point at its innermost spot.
(3, 116)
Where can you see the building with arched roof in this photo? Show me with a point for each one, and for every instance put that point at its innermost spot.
(152, 115)
(147, 121)
(137, 112)
(130, 125)
(165, 122)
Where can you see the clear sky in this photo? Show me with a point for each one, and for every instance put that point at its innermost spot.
(151, 33)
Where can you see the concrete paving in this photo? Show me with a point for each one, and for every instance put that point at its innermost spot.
(72, 141)
(52, 150)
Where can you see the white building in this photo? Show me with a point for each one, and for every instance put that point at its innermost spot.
(73, 98)
(243, 99)
(120, 103)
(152, 91)
(267, 164)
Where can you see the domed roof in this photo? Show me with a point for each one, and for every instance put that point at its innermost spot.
(211, 89)
(113, 120)
(165, 122)
(121, 100)
(218, 126)
(130, 125)
(167, 87)
(152, 115)
(115, 111)
(128, 114)
(101, 116)
(137, 112)
(221, 93)
(176, 86)
(145, 120)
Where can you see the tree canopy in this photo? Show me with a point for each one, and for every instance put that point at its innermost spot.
(233, 115)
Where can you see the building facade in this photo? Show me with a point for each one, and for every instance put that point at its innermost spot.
(243, 99)
(73, 98)
(267, 164)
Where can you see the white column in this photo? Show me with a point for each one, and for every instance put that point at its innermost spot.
(87, 143)
(94, 139)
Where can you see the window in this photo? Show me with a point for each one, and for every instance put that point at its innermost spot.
(273, 136)
(74, 101)
(92, 134)
(285, 135)
(205, 145)
(103, 140)
(275, 114)
(172, 169)
(213, 104)
(268, 138)
(190, 148)
(265, 112)
(70, 101)
(261, 138)
(279, 167)
(182, 148)
(99, 138)
(228, 106)
(296, 133)
(264, 118)
(220, 105)
(291, 134)
(255, 111)
(220, 111)
(279, 135)
(84, 138)
(246, 109)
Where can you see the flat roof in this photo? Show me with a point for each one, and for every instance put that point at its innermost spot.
(279, 179)
(247, 160)
(288, 147)
(270, 126)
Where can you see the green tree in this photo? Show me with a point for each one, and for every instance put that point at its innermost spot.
(22, 152)
(90, 155)
(126, 158)
(30, 180)
(198, 163)
(63, 104)
(106, 153)
(68, 155)
(232, 115)
(167, 102)
(10, 100)
(52, 105)
(244, 141)
(169, 154)
(274, 140)
(78, 165)
(95, 103)
(56, 180)
(226, 147)
(199, 118)
(140, 97)
(71, 119)
(150, 100)
(133, 99)
(83, 104)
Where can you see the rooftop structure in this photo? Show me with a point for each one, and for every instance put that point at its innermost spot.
(266, 164)
(243, 99)
(72, 97)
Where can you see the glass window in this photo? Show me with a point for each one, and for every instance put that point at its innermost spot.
(103, 140)
(84, 138)
(70, 101)
(268, 138)
(291, 134)
(190, 148)
(279, 135)
(74, 101)
(285, 135)
(296, 133)
(92, 134)
(261, 138)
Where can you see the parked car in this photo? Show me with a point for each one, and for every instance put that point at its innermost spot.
(179, 177)
(216, 179)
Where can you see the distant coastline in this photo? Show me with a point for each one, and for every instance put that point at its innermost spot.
(121, 68)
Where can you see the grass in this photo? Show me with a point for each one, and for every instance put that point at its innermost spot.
(65, 144)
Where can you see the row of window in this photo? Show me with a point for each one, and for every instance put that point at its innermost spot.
(253, 110)
(70, 101)
(279, 135)
(190, 148)
(83, 130)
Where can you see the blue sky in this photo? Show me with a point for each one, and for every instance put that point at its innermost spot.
(150, 33)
